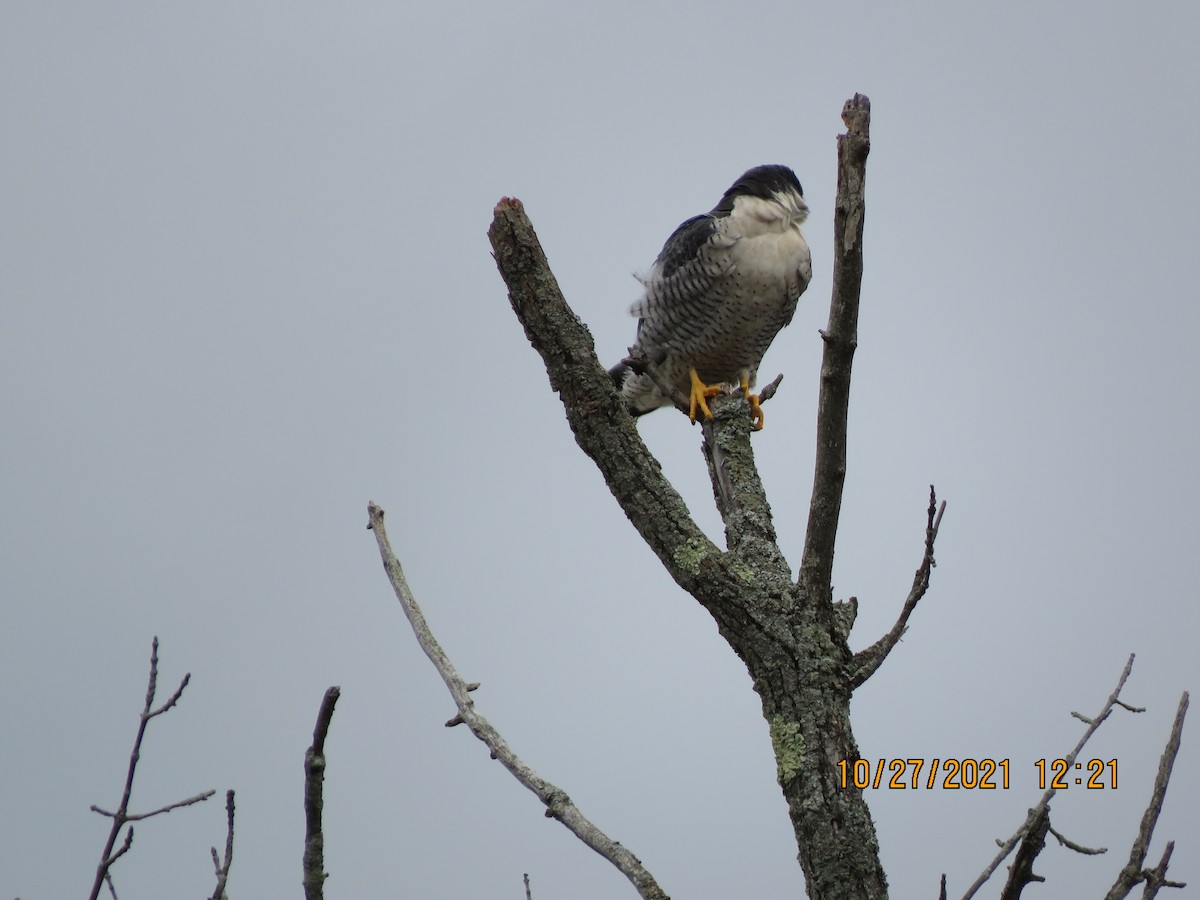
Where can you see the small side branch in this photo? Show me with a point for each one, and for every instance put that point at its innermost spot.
(122, 816)
(1157, 877)
(558, 804)
(1078, 848)
(841, 339)
(137, 817)
(867, 661)
(222, 866)
(314, 802)
(1035, 814)
(1133, 873)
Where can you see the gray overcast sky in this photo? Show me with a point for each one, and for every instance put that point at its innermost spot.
(246, 288)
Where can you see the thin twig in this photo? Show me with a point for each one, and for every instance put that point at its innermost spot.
(137, 817)
(1133, 873)
(1035, 813)
(770, 388)
(1078, 848)
(125, 847)
(174, 698)
(558, 804)
(314, 800)
(867, 662)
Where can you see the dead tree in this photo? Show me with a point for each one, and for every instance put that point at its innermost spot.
(788, 629)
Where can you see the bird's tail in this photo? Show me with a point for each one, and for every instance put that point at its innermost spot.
(619, 373)
(639, 398)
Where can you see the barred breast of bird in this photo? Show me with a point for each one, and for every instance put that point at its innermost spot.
(722, 288)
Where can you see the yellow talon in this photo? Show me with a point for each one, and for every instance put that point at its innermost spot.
(757, 419)
(700, 394)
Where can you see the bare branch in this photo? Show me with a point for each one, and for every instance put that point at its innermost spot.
(223, 867)
(841, 339)
(602, 427)
(558, 804)
(1157, 878)
(314, 800)
(173, 699)
(770, 388)
(124, 848)
(1035, 814)
(1133, 873)
(199, 798)
(1078, 848)
(137, 817)
(867, 662)
(528, 893)
(122, 815)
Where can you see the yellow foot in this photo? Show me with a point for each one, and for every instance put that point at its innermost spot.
(700, 394)
(757, 419)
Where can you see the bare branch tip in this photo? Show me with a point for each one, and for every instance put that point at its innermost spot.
(854, 108)
(507, 203)
(769, 391)
(374, 514)
(1078, 848)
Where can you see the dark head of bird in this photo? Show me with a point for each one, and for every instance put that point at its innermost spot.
(761, 181)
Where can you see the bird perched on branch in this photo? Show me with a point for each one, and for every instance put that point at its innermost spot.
(720, 290)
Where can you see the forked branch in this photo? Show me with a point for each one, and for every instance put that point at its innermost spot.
(1134, 872)
(602, 427)
(558, 804)
(1037, 814)
(122, 817)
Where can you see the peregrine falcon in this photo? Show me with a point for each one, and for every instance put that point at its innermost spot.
(720, 290)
